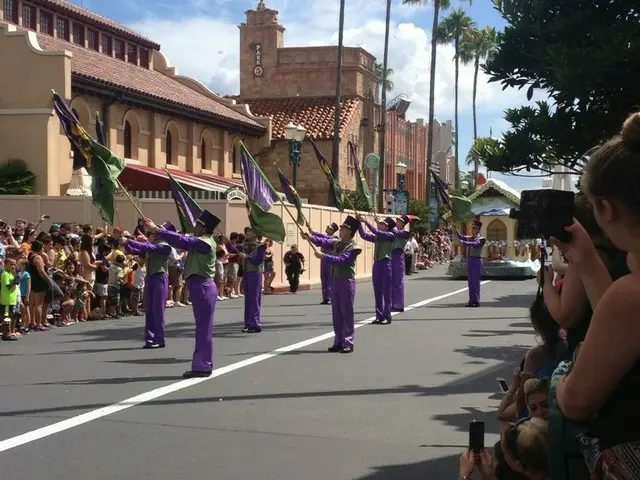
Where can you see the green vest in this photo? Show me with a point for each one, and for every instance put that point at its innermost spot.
(157, 263)
(383, 249)
(201, 264)
(330, 249)
(475, 251)
(399, 243)
(250, 267)
(345, 270)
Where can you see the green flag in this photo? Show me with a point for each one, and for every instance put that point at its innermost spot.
(461, 208)
(263, 223)
(361, 182)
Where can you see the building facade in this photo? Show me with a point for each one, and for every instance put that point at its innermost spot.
(152, 116)
(298, 85)
(444, 163)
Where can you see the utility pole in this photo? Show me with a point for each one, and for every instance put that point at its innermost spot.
(383, 111)
(335, 159)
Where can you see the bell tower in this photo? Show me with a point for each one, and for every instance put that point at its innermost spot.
(260, 37)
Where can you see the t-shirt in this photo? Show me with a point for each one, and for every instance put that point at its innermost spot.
(24, 279)
(116, 275)
(8, 296)
(138, 278)
(60, 259)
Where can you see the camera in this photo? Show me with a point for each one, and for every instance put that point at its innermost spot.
(543, 214)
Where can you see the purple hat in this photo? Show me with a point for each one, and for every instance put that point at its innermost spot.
(334, 226)
(390, 223)
(351, 223)
(168, 226)
(209, 220)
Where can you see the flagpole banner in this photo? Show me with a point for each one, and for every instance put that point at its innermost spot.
(188, 209)
(334, 186)
(361, 181)
(292, 196)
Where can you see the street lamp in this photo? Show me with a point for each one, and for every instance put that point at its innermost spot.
(295, 135)
(401, 169)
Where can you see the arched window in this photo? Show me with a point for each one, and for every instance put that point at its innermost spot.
(203, 155)
(128, 143)
(496, 231)
(168, 147)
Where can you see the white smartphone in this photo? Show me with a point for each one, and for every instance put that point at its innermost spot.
(502, 383)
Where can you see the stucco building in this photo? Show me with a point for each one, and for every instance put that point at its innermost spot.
(298, 84)
(153, 117)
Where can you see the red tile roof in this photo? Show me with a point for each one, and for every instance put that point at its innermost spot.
(73, 10)
(139, 177)
(150, 83)
(314, 114)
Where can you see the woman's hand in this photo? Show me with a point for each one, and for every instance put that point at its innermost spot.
(548, 275)
(467, 463)
(304, 235)
(580, 248)
(318, 254)
(149, 225)
(486, 465)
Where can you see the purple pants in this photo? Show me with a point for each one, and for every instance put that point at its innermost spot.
(325, 278)
(252, 287)
(203, 294)
(156, 291)
(397, 280)
(343, 293)
(474, 275)
(382, 288)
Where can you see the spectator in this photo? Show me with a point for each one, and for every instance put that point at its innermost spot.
(116, 280)
(9, 289)
(269, 269)
(294, 266)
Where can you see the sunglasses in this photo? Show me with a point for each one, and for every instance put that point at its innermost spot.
(511, 439)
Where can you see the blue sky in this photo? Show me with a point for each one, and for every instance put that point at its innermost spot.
(200, 38)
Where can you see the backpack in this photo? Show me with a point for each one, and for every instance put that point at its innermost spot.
(567, 461)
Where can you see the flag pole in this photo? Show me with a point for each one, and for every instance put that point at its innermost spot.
(135, 205)
(313, 247)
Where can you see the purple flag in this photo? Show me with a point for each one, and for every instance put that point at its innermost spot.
(188, 209)
(256, 185)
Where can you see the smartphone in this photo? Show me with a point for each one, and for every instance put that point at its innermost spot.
(476, 436)
(502, 383)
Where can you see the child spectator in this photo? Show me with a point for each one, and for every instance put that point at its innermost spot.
(219, 277)
(102, 277)
(137, 285)
(116, 280)
(25, 293)
(9, 299)
(80, 297)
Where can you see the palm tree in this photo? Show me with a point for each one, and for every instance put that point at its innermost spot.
(455, 28)
(480, 45)
(437, 6)
(379, 71)
(16, 178)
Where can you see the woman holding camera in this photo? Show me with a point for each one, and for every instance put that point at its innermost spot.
(603, 386)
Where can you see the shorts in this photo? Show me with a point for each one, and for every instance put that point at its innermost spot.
(231, 271)
(113, 295)
(100, 289)
(7, 311)
(53, 293)
(268, 267)
(175, 276)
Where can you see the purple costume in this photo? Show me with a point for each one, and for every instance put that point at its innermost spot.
(199, 272)
(474, 266)
(252, 287)
(381, 269)
(398, 269)
(343, 290)
(156, 288)
(325, 269)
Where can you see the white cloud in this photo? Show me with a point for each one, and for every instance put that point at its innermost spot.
(207, 48)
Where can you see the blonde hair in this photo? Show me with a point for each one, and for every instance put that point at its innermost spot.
(536, 385)
(533, 445)
(614, 168)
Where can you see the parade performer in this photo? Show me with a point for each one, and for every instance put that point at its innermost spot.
(325, 267)
(474, 261)
(199, 271)
(253, 265)
(342, 260)
(397, 262)
(156, 285)
(383, 238)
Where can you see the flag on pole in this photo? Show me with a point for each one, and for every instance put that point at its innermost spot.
(100, 162)
(441, 188)
(336, 191)
(99, 129)
(260, 198)
(188, 209)
(292, 196)
(460, 206)
(361, 181)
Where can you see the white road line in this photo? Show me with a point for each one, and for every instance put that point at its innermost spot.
(69, 423)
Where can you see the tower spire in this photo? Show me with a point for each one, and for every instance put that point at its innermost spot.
(261, 6)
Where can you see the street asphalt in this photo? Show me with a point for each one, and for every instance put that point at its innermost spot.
(398, 408)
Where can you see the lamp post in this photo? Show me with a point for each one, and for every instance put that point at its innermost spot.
(401, 169)
(295, 135)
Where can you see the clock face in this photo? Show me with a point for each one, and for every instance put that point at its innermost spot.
(258, 71)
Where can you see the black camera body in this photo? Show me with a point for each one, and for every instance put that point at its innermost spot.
(543, 214)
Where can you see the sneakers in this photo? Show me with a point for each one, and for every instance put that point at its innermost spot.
(233, 295)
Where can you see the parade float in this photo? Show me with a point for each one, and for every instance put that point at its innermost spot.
(504, 256)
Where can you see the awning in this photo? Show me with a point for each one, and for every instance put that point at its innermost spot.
(140, 178)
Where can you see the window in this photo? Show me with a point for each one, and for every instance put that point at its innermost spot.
(62, 28)
(144, 58)
(127, 140)
(107, 46)
(94, 40)
(203, 155)
(78, 34)
(119, 49)
(132, 54)
(46, 22)
(168, 147)
(11, 10)
(29, 17)
(236, 160)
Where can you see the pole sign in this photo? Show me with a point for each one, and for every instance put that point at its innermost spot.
(371, 166)
(401, 203)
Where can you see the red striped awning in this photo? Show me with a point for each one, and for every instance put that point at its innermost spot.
(141, 178)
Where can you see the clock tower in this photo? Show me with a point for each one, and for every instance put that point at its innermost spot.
(260, 38)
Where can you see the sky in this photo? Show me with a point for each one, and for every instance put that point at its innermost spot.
(201, 39)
